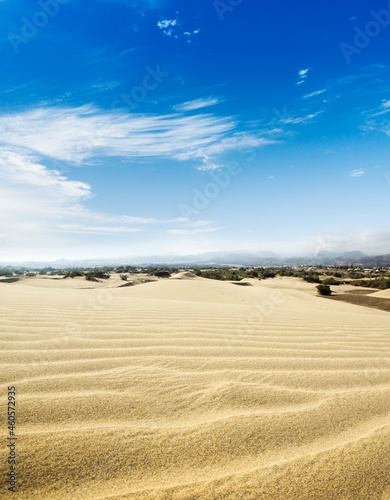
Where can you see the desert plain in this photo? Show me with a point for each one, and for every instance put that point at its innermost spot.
(188, 388)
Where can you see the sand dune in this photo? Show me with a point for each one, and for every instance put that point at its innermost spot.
(183, 275)
(195, 389)
(384, 294)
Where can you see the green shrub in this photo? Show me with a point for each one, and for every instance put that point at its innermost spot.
(332, 281)
(267, 274)
(6, 273)
(96, 274)
(221, 275)
(73, 274)
(286, 272)
(161, 274)
(380, 283)
(312, 278)
(356, 275)
(324, 289)
(251, 274)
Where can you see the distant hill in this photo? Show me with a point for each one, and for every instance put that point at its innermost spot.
(225, 259)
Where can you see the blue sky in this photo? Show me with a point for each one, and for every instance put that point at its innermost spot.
(170, 127)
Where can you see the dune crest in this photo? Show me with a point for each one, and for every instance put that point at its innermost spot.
(182, 275)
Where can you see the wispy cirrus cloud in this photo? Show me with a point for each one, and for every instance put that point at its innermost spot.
(302, 120)
(315, 94)
(383, 109)
(98, 230)
(356, 173)
(151, 220)
(49, 207)
(202, 102)
(366, 76)
(77, 135)
(105, 86)
(193, 231)
(377, 119)
(365, 73)
(302, 75)
(209, 165)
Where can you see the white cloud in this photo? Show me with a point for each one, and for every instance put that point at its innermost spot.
(199, 223)
(142, 220)
(47, 207)
(22, 169)
(356, 173)
(189, 33)
(202, 102)
(192, 231)
(167, 26)
(378, 120)
(166, 23)
(77, 135)
(300, 120)
(209, 165)
(105, 86)
(45, 213)
(370, 73)
(100, 230)
(302, 75)
(383, 109)
(171, 27)
(314, 94)
(235, 142)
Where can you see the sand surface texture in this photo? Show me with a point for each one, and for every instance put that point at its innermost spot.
(189, 388)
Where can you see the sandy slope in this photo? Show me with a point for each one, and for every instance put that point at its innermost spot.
(195, 389)
(384, 294)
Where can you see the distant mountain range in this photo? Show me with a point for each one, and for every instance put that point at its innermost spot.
(225, 259)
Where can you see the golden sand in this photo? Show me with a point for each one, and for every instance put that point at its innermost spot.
(194, 389)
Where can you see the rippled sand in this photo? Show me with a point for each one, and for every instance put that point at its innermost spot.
(195, 389)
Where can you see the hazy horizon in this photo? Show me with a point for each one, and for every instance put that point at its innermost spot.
(220, 258)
